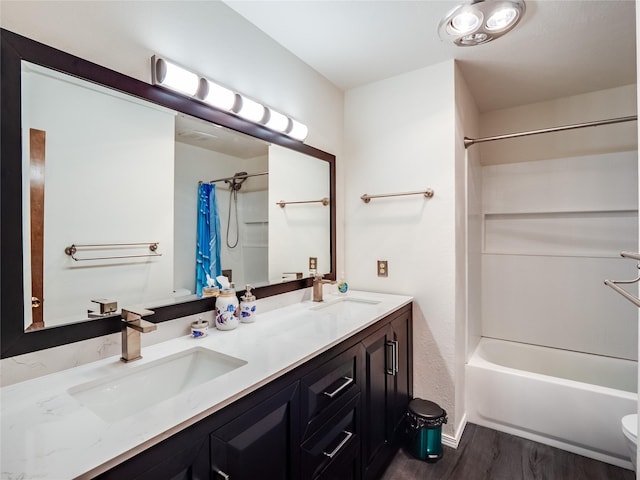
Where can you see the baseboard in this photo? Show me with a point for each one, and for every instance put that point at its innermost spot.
(454, 441)
(585, 452)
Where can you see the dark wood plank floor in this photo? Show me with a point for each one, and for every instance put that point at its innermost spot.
(485, 454)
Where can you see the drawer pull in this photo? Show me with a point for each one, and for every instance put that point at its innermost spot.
(221, 475)
(348, 381)
(344, 441)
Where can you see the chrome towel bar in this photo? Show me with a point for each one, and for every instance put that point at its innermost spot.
(324, 201)
(428, 193)
(72, 249)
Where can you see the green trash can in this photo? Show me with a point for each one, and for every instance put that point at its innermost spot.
(424, 423)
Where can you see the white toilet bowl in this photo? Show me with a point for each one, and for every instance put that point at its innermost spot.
(630, 430)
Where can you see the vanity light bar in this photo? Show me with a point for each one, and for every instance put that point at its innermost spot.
(174, 77)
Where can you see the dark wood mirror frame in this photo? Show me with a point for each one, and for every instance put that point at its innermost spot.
(13, 49)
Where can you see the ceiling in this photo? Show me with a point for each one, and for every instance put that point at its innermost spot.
(208, 135)
(560, 47)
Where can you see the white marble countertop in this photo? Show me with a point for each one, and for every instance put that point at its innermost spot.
(48, 434)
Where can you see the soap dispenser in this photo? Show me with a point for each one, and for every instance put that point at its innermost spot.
(343, 286)
(248, 306)
(227, 307)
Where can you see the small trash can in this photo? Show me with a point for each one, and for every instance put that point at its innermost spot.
(424, 423)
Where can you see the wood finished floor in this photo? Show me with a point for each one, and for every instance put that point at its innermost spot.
(485, 454)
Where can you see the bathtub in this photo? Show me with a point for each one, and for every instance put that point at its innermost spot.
(565, 399)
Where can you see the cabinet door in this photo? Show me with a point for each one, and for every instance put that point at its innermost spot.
(388, 392)
(376, 431)
(166, 463)
(401, 389)
(263, 442)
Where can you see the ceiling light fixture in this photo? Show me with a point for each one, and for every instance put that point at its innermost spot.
(480, 21)
(169, 75)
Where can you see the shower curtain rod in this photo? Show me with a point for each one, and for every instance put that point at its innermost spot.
(238, 176)
(470, 141)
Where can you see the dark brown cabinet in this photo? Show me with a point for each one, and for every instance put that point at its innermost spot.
(388, 392)
(339, 416)
(260, 443)
(182, 459)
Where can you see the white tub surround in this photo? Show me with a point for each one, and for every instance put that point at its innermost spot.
(47, 434)
(561, 398)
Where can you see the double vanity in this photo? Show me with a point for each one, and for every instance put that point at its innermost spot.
(310, 390)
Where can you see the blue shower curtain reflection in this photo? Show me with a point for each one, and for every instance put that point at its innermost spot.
(208, 237)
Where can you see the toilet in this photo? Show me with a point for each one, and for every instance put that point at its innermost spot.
(630, 430)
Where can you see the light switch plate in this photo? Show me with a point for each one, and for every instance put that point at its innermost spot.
(383, 268)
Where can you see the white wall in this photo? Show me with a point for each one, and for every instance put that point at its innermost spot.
(637, 136)
(399, 137)
(300, 231)
(553, 231)
(468, 119)
(254, 239)
(120, 162)
(468, 231)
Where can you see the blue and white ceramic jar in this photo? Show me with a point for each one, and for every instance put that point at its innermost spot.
(248, 306)
(227, 310)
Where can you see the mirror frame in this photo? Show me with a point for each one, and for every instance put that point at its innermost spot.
(13, 49)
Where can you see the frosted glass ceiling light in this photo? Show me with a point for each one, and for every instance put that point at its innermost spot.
(174, 77)
(480, 21)
(218, 96)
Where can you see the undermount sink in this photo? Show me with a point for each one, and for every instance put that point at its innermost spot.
(121, 395)
(347, 306)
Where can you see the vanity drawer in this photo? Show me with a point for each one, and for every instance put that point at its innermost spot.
(335, 446)
(329, 386)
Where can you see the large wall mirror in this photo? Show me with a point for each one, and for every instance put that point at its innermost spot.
(102, 181)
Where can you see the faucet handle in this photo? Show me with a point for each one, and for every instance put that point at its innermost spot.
(131, 314)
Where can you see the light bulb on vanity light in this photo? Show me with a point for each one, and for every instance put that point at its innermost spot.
(277, 121)
(251, 110)
(298, 130)
(174, 77)
(217, 95)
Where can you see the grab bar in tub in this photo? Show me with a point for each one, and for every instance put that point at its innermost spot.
(614, 283)
(625, 294)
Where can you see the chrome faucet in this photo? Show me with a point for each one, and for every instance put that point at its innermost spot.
(318, 282)
(131, 327)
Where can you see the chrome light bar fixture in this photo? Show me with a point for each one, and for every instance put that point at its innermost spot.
(480, 21)
(174, 77)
